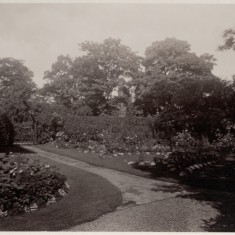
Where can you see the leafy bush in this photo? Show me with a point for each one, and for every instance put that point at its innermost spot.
(26, 185)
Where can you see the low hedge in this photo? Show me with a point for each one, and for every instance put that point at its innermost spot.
(82, 128)
(113, 131)
(108, 133)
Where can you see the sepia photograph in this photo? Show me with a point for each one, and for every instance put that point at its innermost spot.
(117, 116)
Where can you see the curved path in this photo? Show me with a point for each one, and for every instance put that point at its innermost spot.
(148, 205)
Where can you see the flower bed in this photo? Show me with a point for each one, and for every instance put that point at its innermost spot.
(185, 162)
(27, 185)
(180, 162)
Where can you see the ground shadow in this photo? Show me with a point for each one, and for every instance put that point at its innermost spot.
(157, 173)
(14, 149)
(219, 193)
(224, 203)
(220, 180)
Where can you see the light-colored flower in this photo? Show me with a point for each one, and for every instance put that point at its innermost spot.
(51, 200)
(62, 192)
(3, 213)
(34, 207)
(67, 185)
(26, 209)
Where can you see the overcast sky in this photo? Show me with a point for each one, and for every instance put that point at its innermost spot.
(38, 33)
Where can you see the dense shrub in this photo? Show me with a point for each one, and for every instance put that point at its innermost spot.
(26, 185)
(23, 132)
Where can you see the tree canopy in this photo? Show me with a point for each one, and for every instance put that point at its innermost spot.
(229, 40)
(169, 65)
(87, 82)
(16, 86)
(178, 87)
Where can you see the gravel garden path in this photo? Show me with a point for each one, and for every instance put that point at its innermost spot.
(148, 205)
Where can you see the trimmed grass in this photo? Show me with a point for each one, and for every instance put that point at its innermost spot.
(90, 196)
(116, 163)
(214, 179)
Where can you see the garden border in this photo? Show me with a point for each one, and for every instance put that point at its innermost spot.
(90, 196)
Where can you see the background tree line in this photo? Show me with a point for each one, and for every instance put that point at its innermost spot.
(170, 83)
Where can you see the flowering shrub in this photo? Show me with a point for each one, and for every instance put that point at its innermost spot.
(26, 185)
(184, 140)
(225, 143)
(184, 160)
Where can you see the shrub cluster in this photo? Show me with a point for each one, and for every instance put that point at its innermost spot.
(186, 161)
(26, 185)
(225, 143)
(188, 154)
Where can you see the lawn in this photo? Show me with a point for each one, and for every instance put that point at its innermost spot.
(89, 197)
(118, 163)
(211, 177)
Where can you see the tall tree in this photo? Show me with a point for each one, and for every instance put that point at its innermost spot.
(87, 83)
(168, 64)
(173, 57)
(106, 66)
(180, 89)
(16, 87)
(60, 82)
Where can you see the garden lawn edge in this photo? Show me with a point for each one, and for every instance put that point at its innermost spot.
(215, 183)
(89, 197)
(85, 157)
